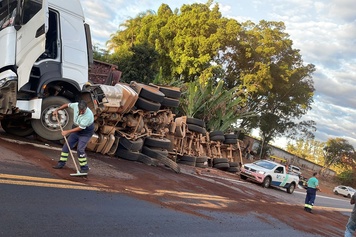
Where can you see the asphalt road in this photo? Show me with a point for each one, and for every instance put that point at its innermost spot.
(36, 203)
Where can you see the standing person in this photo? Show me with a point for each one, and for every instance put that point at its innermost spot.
(351, 224)
(313, 186)
(81, 134)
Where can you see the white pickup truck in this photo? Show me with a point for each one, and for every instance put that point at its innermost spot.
(269, 173)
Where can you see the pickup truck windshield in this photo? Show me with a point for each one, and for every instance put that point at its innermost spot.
(7, 13)
(265, 164)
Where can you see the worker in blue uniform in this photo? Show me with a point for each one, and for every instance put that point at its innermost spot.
(313, 186)
(80, 134)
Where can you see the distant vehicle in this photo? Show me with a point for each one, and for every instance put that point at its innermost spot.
(303, 182)
(295, 169)
(346, 191)
(269, 173)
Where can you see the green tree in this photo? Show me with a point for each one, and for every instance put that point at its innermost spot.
(338, 152)
(279, 85)
(309, 149)
(139, 65)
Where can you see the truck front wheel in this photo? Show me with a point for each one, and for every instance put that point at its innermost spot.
(266, 182)
(47, 127)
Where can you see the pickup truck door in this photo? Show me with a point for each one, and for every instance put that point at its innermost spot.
(32, 26)
(279, 176)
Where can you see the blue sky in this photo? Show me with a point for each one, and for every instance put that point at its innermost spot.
(324, 31)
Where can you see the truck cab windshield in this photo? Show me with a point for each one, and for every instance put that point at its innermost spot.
(7, 13)
(10, 15)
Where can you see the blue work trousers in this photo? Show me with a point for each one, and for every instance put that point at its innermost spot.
(310, 198)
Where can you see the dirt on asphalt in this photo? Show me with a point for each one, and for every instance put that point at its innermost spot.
(194, 190)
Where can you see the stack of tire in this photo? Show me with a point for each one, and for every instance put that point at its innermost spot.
(157, 149)
(129, 149)
(189, 160)
(231, 139)
(196, 125)
(200, 161)
(171, 98)
(149, 98)
(221, 163)
(217, 136)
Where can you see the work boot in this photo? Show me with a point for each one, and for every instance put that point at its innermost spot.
(59, 165)
(84, 169)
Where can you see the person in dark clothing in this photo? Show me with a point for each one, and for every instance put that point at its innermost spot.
(80, 134)
(351, 224)
(313, 186)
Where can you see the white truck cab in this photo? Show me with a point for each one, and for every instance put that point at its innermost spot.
(45, 55)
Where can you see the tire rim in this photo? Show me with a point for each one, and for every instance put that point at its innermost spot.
(49, 120)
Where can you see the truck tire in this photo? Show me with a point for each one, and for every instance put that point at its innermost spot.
(17, 127)
(196, 121)
(169, 102)
(291, 188)
(196, 128)
(171, 92)
(266, 182)
(47, 127)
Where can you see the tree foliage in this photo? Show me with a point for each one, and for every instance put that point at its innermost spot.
(339, 152)
(211, 102)
(279, 84)
(213, 54)
(309, 149)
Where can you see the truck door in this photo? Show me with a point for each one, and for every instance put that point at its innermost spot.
(31, 36)
(279, 176)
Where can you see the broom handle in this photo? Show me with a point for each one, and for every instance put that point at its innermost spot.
(65, 139)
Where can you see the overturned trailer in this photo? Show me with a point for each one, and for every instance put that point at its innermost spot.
(135, 122)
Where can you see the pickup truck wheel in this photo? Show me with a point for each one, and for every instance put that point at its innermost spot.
(266, 182)
(291, 188)
(47, 126)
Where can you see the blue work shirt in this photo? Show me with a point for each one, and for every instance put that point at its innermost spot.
(82, 120)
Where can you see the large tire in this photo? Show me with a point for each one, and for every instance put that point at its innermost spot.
(131, 145)
(171, 92)
(196, 128)
(151, 93)
(47, 127)
(127, 154)
(196, 121)
(169, 102)
(221, 166)
(163, 143)
(17, 127)
(145, 104)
